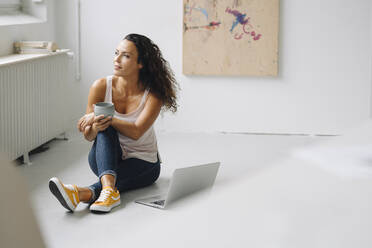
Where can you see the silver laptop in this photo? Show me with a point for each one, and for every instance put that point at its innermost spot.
(184, 182)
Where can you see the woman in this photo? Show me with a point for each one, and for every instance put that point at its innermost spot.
(124, 155)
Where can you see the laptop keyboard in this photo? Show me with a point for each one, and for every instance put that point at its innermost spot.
(161, 202)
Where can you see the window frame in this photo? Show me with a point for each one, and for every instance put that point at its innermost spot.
(16, 12)
(10, 8)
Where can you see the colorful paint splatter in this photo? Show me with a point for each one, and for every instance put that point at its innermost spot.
(230, 37)
(241, 19)
(210, 25)
(192, 23)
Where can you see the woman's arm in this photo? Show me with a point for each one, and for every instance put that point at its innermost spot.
(96, 94)
(90, 133)
(135, 130)
(99, 124)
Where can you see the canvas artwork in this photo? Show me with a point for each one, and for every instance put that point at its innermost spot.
(230, 37)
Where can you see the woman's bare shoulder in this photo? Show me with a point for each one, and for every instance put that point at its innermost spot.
(99, 84)
(98, 90)
(153, 99)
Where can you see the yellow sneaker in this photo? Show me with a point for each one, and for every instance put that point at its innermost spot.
(107, 200)
(67, 194)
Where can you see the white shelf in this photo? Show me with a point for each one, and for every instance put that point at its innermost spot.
(17, 58)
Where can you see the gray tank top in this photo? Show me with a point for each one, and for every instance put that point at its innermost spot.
(145, 147)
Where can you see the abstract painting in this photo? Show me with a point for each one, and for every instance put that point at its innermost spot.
(230, 37)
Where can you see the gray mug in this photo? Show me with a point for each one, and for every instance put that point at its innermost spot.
(104, 108)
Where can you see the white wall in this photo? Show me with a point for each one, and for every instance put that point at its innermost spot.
(324, 61)
(64, 36)
(35, 31)
(370, 36)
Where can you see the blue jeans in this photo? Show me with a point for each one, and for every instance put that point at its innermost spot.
(105, 158)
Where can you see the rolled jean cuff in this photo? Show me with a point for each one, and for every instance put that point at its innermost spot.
(94, 197)
(107, 172)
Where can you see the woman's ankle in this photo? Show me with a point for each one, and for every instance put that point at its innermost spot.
(85, 194)
(108, 180)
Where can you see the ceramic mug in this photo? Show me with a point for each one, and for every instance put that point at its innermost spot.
(104, 108)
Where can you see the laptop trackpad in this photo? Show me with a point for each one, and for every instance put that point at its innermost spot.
(156, 200)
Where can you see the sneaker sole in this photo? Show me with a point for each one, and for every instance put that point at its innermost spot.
(57, 190)
(103, 209)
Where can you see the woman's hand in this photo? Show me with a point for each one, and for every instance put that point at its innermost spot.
(85, 121)
(100, 123)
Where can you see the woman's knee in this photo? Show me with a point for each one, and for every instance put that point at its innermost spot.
(108, 131)
(108, 138)
(109, 134)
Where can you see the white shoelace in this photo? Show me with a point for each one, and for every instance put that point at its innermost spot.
(104, 195)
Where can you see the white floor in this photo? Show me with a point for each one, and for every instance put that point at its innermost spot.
(263, 197)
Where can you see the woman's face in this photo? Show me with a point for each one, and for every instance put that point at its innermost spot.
(125, 60)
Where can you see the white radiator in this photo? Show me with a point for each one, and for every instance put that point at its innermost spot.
(32, 101)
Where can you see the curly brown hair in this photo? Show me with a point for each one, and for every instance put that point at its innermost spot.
(155, 73)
